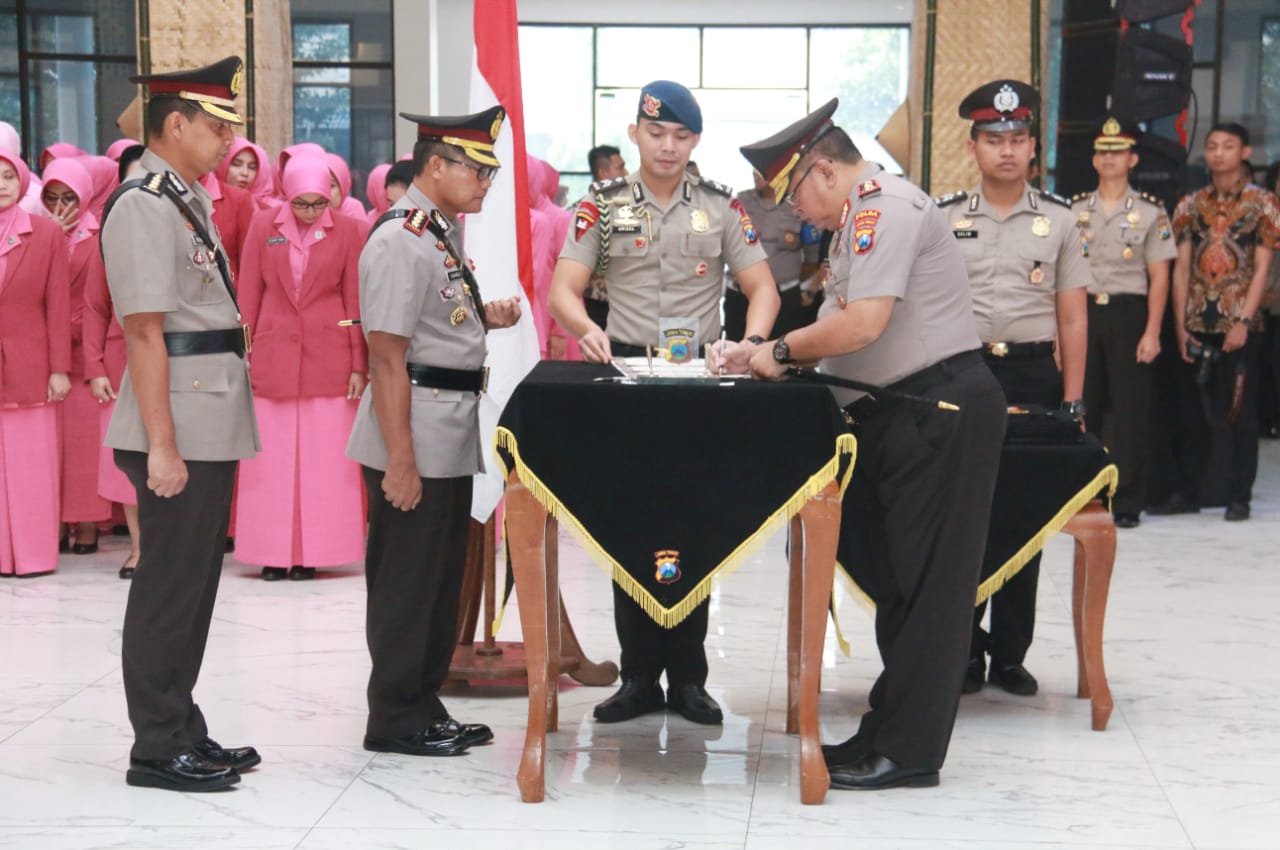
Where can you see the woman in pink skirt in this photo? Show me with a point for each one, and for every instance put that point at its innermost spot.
(67, 184)
(300, 499)
(35, 359)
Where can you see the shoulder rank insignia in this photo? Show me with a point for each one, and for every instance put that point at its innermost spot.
(416, 222)
(606, 185)
(718, 188)
(438, 219)
(176, 182)
(948, 200)
(868, 187)
(1151, 199)
(153, 184)
(1057, 199)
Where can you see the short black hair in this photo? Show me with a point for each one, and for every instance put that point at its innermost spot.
(1238, 130)
(131, 154)
(401, 172)
(836, 146)
(424, 149)
(599, 156)
(159, 108)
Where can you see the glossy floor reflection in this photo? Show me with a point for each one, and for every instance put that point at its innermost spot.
(1191, 758)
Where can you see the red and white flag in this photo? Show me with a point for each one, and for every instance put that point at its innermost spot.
(498, 237)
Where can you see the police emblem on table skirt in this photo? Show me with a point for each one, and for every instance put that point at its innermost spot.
(667, 562)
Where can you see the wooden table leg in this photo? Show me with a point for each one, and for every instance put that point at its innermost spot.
(1095, 534)
(587, 672)
(820, 518)
(551, 558)
(795, 610)
(526, 529)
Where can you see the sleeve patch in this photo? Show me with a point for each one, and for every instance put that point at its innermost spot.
(864, 230)
(584, 218)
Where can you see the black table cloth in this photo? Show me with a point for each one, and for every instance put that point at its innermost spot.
(669, 486)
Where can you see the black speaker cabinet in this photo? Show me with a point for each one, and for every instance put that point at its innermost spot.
(1153, 75)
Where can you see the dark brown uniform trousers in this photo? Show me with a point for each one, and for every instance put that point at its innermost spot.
(932, 474)
(414, 563)
(171, 596)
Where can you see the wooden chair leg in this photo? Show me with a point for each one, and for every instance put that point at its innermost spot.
(1079, 575)
(821, 518)
(551, 548)
(795, 609)
(526, 530)
(1095, 534)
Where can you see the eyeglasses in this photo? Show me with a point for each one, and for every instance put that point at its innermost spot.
(314, 206)
(68, 200)
(484, 172)
(790, 197)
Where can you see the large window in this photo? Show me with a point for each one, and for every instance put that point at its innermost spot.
(64, 69)
(581, 85)
(342, 81)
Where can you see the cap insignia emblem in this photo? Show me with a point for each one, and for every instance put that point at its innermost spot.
(496, 127)
(237, 80)
(1111, 127)
(1006, 100)
(652, 106)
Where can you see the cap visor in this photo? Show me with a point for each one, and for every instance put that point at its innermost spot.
(220, 112)
(1001, 126)
(482, 157)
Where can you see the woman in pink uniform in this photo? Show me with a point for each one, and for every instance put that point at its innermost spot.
(66, 184)
(35, 359)
(301, 503)
(375, 189)
(340, 188)
(247, 167)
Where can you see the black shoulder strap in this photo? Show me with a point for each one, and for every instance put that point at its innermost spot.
(389, 215)
(467, 277)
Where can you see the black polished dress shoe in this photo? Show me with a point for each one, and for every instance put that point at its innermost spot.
(127, 572)
(241, 758)
(973, 676)
(1237, 512)
(637, 696)
(1014, 678)
(874, 772)
(184, 772)
(64, 544)
(472, 734)
(231, 545)
(274, 574)
(302, 573)
(849, 750)
(437, 740)
(693, 703)
(84, 548)
(1127, 521)
(1175, 504)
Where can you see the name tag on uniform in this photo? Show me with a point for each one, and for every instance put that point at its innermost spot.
(456, 274)
(966, 234)
(277, 240)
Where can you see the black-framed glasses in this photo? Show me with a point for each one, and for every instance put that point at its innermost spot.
(790, 197)
(484, 172)
(313, 206)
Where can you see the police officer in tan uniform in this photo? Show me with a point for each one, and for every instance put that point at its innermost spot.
(183, 420)
(417, 433)
(792, 247)
(1127, 237)
(1028, 275)
(661, 237)
(897, 313)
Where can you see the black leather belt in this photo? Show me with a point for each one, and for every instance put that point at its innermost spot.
(917, 384)
(189, 343)
(1102, 299)
(1017, 349)
(625, 349)
(439, 378)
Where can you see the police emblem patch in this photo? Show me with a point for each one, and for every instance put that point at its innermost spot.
(652, 106)
(448, 293)
(699, 222)
(864, 230)
(1040, 226)
(667, 562)
(584, 219)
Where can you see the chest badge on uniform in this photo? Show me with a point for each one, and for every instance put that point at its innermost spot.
(319, 235)
(790, 237)
(448, 293)
(1127, 253)
(458, 316)
(640, 242)
(864, 230)
(701, 270)
(625, 220)
(868, 187)
(1134, 217)
(450, 262)
(197, 257)
(698, 221)
(440, 246)
(1040, 226)
(963, 224)
(1083, 219)
(1037, 275)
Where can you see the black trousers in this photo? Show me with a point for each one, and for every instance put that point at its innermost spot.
(648, 649)
(1117, 393)
(414, 563)
(1025, 380)
(932, 475)
(166, 620)
(1242, 436)
(792, 314)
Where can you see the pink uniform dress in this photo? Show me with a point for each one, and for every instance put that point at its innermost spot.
(548, 226)
(35, 341)
(301, 499)
(79, 414)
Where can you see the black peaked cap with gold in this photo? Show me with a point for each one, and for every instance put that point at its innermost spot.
(775, 158)
(475, 133)
(213, 88)
(1001, 106)
(1114, 133)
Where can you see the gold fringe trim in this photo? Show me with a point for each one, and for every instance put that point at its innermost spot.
(671, 617)
(859, 596)
(502, 547)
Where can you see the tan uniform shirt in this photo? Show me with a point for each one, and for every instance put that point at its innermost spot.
(156, 264)
(893, 241)
(663, 263)
(411, 287)
(1121, 245)
(1018, 264)
(779, 229)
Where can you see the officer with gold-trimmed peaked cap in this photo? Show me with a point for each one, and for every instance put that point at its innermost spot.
(475, 134)
(213, 88)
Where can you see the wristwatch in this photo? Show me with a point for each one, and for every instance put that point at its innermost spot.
(1074, 408)
(782, 351)
(755, 339)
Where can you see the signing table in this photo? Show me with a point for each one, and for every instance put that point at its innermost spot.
(668, 486)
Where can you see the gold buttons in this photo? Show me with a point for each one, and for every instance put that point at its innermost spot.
(195, 385)
(436, 393)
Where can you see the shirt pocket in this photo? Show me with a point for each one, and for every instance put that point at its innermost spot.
(700, 245)
(628, 245)
(198, 374)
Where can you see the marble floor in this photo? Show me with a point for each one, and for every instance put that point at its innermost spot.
(1191, 758)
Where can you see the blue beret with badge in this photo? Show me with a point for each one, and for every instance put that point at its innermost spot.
(663, 100)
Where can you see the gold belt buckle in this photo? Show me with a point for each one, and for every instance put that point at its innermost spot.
(248, 338)
(484, 379)
(1102, 299)
(999, 349)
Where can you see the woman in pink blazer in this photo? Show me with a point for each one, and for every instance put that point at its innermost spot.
(67, 186)
(301, 502)
(247, 167)
(35, 359)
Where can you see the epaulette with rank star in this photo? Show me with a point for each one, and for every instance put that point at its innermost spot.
(953, 198)
(153, 184)
(1079, 196)
(1057, 199)
(416, 222)
(718, 188)
(868, 187)
(607, 185)
(1151, 199)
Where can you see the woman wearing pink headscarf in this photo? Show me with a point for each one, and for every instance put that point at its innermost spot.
(58, 150)
(375, 189)
(35, 359)
(548, 226)
(105, 174)
(65, 183)
(301, 500)
(247, 167)
(118, 147)
(300, 149)
(340, 188)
